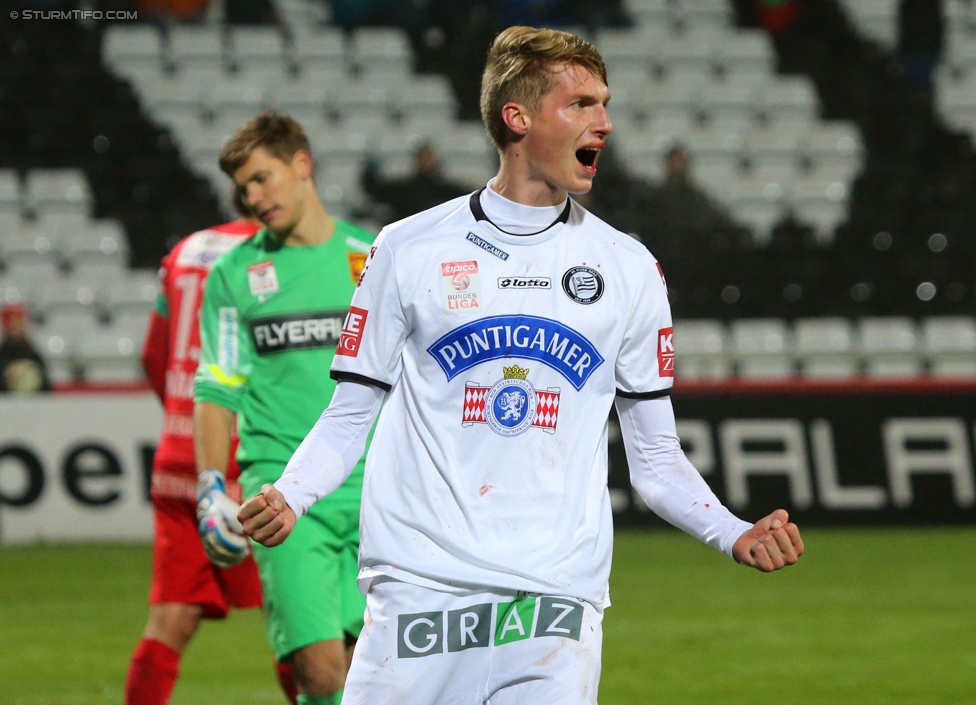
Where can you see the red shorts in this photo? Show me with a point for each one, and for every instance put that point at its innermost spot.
(182, 573)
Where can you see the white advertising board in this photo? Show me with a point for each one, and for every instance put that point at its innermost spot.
(76, 467)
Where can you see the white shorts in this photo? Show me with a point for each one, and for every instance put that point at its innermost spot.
(492, 647)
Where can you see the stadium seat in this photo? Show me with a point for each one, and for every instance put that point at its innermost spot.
(196, 45)
(824, 348)
(889, 346)
(101, 251)
(425, 98)
(790, 99)
(235, 100)
(745, 51)
(761, 347)
(107, 356)
(380, 49)
(58, 353)
(251, 47)
(322, 50)
(133, 293)
(700, 349)
(126, 47)
(57, 191)
(10, 198)
(950, 345)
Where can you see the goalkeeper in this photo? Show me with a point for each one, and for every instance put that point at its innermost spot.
(273, 312)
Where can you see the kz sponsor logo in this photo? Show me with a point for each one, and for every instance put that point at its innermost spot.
(297, 331)
(524, 283)
(352, 332)
(665, 352)
(584, 285)
(428, 633)
(532, 337)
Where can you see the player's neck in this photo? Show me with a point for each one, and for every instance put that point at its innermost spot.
(315, 227)
(516, 185)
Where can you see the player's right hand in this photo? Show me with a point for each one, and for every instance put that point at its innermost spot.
(266, 517)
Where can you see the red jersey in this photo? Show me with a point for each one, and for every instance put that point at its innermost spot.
(172, 350)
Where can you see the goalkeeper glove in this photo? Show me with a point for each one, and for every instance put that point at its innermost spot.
(223, 536)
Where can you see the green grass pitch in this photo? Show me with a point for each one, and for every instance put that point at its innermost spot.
(869, 617)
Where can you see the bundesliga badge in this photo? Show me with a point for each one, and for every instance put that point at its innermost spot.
(511, 405)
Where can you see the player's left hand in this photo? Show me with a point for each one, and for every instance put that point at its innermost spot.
(267, 518)
(772, 543)
(223, 540)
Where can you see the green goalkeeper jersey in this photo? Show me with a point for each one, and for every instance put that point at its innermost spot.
(271, 319)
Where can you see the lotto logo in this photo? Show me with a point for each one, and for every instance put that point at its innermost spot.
(352, 332)
(427, 633)
(665, 352)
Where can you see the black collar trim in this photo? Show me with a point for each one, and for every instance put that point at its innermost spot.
(479, 214)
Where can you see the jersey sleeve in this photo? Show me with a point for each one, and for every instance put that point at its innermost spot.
(223, 372)
(375, 327)
(645, 363)
(155, 349)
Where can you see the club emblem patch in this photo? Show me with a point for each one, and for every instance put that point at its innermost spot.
(584, 285)
(262, 279)
(512, 405)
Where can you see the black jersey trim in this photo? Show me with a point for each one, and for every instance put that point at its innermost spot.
(656, 394)
(340, 376)
(480, 215)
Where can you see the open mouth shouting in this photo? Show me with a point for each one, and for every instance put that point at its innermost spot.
(587, 157)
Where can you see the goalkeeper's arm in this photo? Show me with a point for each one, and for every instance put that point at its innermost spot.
(219, 528)
(322, 462)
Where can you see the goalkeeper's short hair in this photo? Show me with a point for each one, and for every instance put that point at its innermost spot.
(277, 132)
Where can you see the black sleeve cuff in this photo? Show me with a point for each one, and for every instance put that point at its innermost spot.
(340, 376)
(656, 394)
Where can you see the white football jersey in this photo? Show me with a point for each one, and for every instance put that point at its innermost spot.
(502, 354)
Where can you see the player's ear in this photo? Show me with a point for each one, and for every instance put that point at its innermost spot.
(516, 118)
(301, 162)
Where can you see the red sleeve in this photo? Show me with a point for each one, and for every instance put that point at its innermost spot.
(155, 354)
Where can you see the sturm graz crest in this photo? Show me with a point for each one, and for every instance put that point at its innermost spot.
(584, 285)
(511, 405)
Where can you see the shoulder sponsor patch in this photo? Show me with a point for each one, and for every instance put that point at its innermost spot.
(296, 331)
(524, 283)
(584, 285)
(202, 249)
(352, 332)
(460, 286)
(531, 337)
(665, 352)
(486, 246)
(262, 278)
(228, 350)
(357, 263)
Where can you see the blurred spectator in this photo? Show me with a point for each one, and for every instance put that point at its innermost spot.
(679, 203)
(424, 188)
(22, 369)
(920, 35)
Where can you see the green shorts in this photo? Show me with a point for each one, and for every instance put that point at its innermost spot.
(309, 581)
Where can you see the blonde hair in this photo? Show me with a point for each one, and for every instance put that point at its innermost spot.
(520, 67)
(280, 134)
